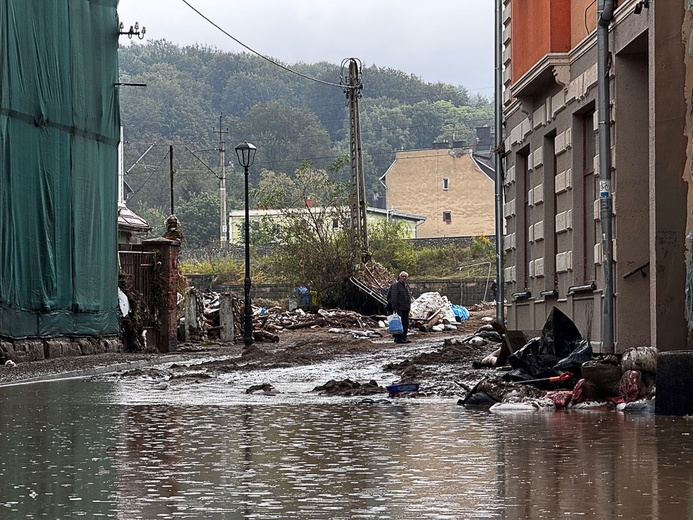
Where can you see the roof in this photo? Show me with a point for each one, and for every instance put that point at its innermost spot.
(129, 221)
(486, 163)
(254, 213)
(396, 214)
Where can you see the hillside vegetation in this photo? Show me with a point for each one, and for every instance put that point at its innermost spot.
(292, 120)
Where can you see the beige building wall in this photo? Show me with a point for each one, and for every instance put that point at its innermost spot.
(416, 183)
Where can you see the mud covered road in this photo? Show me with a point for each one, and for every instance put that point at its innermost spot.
(311, 360)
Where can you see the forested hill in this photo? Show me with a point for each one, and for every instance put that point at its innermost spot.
(290, 118)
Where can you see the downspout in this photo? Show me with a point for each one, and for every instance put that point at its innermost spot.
(605, 12)
(500, 301)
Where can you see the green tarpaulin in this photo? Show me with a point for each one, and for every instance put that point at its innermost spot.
(59, 126)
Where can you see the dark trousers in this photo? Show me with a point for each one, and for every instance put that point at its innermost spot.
(405, 326)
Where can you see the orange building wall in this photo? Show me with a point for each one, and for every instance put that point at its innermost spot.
(538, 28)
(583, 20)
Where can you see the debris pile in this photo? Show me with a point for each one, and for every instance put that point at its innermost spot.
(348, 388)
(559, 370)
(375, 276)
(431, 312)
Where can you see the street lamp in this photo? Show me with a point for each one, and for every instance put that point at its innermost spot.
(246, 155)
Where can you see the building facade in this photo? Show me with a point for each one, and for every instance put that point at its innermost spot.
(553, 243)
(447, 187)
(332, 218)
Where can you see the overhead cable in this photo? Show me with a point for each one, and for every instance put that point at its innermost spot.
(273, 62)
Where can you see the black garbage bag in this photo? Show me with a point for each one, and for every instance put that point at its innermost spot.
(560, 348)
(580, 352)
(533, 361)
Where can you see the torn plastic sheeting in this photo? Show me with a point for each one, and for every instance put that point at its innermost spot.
(460, 312)
(560, 348)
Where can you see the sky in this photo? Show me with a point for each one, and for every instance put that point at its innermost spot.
(448, 41)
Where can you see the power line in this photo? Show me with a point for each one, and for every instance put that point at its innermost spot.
(273, 62)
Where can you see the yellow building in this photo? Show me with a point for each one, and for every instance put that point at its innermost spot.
(447, 187)
(275, 216)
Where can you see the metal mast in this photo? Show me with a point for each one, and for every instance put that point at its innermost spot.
(223, 235)
(357, 198)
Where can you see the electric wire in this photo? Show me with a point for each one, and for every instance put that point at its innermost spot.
(135, 192)
(270, 60)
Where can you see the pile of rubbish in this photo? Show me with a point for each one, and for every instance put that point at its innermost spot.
(431, 312)
(559, 370)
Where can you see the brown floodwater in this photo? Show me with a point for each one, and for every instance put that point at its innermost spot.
(119, 449)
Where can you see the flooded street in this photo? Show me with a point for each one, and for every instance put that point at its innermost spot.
(121, 448)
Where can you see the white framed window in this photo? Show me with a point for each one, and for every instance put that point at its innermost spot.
(446, 184)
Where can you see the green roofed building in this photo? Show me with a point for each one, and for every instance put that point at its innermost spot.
(59, 130)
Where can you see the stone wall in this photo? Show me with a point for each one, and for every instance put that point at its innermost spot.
(23, 350)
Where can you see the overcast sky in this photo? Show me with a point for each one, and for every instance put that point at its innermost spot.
(438, 40)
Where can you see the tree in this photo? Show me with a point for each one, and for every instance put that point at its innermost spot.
(199, 218)
(389, 245)
(286, 137)
(317, 249)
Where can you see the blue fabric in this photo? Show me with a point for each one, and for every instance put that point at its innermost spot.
(460, 312)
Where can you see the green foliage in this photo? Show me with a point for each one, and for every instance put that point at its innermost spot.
(223, 271)
(482, 247)
(315, 248)
(291, 120)
(199, 218)
(389, 246)
(155, 217)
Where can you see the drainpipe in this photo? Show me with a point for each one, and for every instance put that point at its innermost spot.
(605, 12)
(500, 301)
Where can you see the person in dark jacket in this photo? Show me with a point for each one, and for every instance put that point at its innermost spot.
(399, 300)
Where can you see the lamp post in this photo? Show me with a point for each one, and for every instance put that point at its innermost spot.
(246, 155)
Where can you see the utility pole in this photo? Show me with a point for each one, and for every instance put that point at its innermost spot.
(171, 172)
(357, 198)
(223, 235)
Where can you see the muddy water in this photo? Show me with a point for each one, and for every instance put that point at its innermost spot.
(208, 451)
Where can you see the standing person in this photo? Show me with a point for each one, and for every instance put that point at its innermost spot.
(399, 300)
(494, 289)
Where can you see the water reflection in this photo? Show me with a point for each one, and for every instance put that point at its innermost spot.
(330, 459)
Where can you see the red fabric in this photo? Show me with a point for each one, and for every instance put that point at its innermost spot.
(629, 386)
(578, 392)
(561, 398)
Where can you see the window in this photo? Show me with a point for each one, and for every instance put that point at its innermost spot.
(446, 184)
(335, 223)
(447, 217)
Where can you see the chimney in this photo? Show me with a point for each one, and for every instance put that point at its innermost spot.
(309, 202)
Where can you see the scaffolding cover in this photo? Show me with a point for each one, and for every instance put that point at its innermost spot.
(59, 121)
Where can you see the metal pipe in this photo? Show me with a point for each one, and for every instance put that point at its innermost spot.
(605, 10)
(498, 91)
(248, 323)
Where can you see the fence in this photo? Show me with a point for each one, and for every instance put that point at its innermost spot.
(138, 268)
(468, 291)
